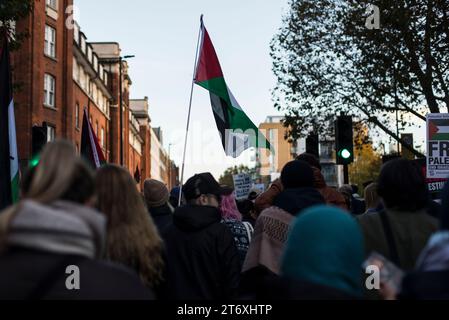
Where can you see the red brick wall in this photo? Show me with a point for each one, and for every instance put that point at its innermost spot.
(29, 66)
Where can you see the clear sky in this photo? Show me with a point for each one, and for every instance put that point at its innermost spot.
(163, 36)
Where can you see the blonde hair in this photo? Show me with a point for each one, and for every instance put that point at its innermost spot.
(133, 239)
(59, 169)
(372, 198)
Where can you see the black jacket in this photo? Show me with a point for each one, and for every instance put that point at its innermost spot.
(202, 258)
(425, 286)
(296, 200)
(38, 275)
(162, 217)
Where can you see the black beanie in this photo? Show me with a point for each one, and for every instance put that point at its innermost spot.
(297, 174)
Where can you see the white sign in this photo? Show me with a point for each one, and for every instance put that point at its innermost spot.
(242, 186)
(437, 145)
(260, 187)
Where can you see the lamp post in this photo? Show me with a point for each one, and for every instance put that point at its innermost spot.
(121, 59)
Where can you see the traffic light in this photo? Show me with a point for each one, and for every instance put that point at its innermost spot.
(344, 140)
(39, 139)
(312, 145)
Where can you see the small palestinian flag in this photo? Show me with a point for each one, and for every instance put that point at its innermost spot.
(438, 129)
(9, 160)
(238, 133)
(90, 148)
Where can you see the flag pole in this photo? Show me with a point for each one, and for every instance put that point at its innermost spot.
(190, 110)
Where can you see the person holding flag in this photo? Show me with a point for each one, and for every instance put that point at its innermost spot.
(9, 161)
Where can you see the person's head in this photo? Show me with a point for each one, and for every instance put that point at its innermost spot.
(311, 159)
(402, 186)
(371, 197)
(133, 239)
(254, 194)
(297, 174)
(155, 193)
(203, 190)
(60, 175)
(174, 197)
(325, 247)
(228, 207)
(247, 209)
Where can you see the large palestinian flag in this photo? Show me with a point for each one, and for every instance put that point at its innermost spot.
(9, 162)
(238, 133)
(90, 148)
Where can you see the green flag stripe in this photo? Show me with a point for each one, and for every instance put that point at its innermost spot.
(15, 189)
(218, 87)
(440, 136)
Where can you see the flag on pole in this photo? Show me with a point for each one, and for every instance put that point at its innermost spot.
(238, 133)
(9, 161)
(90, 148)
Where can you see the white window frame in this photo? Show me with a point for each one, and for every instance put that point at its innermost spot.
(102, 138)
(51, 133)
(49, 90)
(77, 115)
(52, 4)
(50, 41)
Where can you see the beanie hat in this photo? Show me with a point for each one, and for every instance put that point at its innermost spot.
(297, 174)
(155, 192)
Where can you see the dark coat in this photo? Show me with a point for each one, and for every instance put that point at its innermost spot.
(296, 200)
(425, 286)
(202, 261)
(162, 217)
(411, 232)
(38, 275)
(267, 286)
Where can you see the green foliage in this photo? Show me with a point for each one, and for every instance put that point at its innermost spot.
(10, 12)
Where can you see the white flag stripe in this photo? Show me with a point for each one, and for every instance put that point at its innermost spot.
(13, 141)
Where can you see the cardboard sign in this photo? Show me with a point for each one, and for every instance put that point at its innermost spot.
(242, 186)
(437, 146)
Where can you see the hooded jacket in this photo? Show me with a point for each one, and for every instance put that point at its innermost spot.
(330, 195)
(202, 261)
(41, 241)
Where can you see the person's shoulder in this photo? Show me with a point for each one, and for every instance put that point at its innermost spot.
(114, 280)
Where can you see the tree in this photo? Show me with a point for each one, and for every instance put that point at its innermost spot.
(367, 162)
(227, 177)
(327, 62)
(12, 11)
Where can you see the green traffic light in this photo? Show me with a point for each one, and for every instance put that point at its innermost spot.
(34, 161)
(345, 154)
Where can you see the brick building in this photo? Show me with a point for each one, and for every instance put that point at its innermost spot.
(59, 74)
(42, 69)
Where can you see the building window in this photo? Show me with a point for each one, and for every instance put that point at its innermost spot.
(49, 90)
(51, 133)
(102, 138)
(77, 116)
(50, 41)
(52, 4)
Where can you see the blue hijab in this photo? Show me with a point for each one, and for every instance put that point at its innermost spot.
(325, 247)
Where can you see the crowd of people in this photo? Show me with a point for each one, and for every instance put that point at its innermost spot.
(300, 239)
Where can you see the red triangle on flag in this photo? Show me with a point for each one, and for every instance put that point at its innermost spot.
(208, 65)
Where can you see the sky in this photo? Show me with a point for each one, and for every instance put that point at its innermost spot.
(163, 37)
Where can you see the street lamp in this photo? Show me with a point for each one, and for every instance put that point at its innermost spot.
(121, 59)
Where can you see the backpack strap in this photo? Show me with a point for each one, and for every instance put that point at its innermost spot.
(249, 230)
(394, 254)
